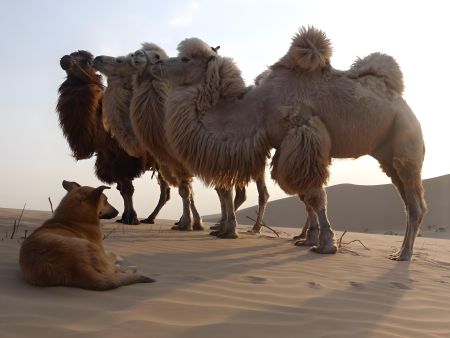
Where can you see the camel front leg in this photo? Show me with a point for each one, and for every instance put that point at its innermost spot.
(185, 223)
(240, 197)
(229, 229)
(126, 189)
(164, 196)
(316, 198)
(310, 232)
(198, 223)
(219, 226)
(263, 197)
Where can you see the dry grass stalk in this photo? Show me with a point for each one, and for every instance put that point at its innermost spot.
(264, 225)
(340, 243)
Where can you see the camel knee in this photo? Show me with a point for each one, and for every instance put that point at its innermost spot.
(263, 196)
(184, 192)
(315, 199)
(241, 196)
(127, 188)
(409, 173)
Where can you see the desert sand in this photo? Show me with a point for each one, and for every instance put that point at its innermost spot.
(256, 286)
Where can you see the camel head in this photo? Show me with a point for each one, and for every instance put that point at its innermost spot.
(191, 64)
(79, 64)
(114, 66)
(146, 57)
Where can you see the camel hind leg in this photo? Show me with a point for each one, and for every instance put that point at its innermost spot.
(164, 197)
(406, 152)
(409, 173)
(263, 197)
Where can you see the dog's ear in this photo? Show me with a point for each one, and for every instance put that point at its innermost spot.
(94, 196)
(69, 186)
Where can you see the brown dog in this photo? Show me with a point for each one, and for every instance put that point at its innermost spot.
(67, 249)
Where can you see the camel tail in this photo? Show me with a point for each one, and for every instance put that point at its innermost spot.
(310, 50)
(302, 161)
(382, 66)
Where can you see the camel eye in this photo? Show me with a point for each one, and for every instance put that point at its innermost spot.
(184, 59)
(157, 57)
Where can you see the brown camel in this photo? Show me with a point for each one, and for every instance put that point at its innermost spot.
(147, 113)
(306, 110)
(80, 115)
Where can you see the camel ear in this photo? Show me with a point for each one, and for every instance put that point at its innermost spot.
(97, 192)
(69, 186)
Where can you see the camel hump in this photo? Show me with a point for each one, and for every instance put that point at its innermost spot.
(310, 49)
(380, 65)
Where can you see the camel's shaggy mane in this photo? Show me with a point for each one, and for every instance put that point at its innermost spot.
(310, 50)
(220, 160)
(116, 116)
(79, 112)
(380, 65)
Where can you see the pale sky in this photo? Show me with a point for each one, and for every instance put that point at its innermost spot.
(35, 34)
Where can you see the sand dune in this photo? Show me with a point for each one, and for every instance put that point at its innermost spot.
(373, 209)
(250, 287)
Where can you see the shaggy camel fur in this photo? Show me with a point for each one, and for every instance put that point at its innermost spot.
(116, 118)
(148, 114)
(306, 110)
(80, 115)
(67, 249)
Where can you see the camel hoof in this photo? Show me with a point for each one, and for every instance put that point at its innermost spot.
(299, 237)
(198, 227)
(305, 242)
(215, 227)
(119, 220)
(400, 256)
(254, 232)
(181, 227)
(328, 249)
(148, 221)
(214, 233)
(228, 235)
(134, 221)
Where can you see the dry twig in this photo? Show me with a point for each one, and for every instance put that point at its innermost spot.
(340, 243)
(51, 205)
(263, 224)
(105, 236)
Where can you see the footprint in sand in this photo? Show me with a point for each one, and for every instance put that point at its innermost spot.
(441, 281)
(314, 285)
(193, 279)
(357, 285)
(254, 279)
(398, 285)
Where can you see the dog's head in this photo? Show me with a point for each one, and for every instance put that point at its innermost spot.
(88, 201)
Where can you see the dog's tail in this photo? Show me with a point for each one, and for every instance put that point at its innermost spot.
(382, 66)
(310, 50)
